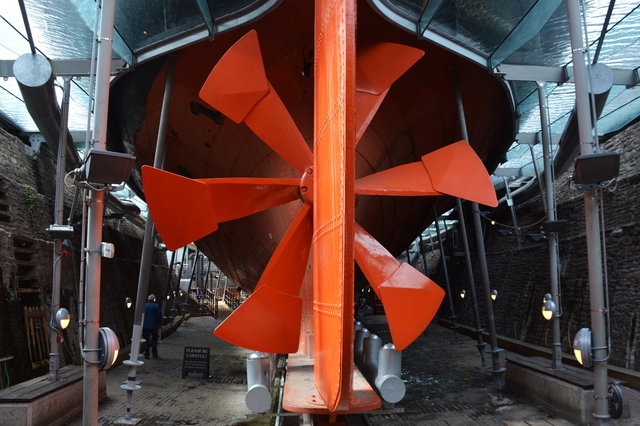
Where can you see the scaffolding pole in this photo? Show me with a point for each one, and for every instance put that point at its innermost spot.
(58, 219)
(496, 362)
(549, 185)
(146, 260)
(95, 218)
(453, 316)
(592, 222)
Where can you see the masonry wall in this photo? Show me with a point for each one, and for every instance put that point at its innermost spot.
(521, 275)
(27, 188)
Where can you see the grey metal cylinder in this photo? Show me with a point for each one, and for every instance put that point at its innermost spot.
(388, 381)
(371, 350)
(358, 344)
(35, 80)
(258, 397)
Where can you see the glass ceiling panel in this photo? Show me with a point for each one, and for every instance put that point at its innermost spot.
(144, 22)
(412, 8)
(480, 24)
(220, 8)
(58, 31)
(13, 107)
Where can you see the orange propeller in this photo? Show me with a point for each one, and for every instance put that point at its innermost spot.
(187, 209)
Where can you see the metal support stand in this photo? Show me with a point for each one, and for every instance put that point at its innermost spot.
(145, 262)
(58, 219)
(453, 316)
(514, 216)
(556, 345)
(174, 310)
(496, 365)
(191, 278)
(472, 282)
(592, 222)
(95, 218)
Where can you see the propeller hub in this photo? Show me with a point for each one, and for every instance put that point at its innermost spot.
(306, 186)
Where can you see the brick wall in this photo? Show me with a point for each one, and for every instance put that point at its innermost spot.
(27, 188)
(521, 276)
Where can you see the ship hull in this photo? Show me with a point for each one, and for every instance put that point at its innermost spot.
(418, 116)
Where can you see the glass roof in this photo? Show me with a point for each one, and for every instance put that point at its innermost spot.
(491, 33)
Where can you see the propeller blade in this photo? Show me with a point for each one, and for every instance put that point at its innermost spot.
(235, 198)
(453, 170)
(457, 170)
(238, 87)
(377, 67)
(181, 208)
(407, 179)
(410, 299)
(269, 320)
(185, 210)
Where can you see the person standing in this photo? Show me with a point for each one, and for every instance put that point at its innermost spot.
(152, 321)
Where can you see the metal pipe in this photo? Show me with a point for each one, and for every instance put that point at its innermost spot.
(472, 282)
(185, 249)
(497, 368)
(25, 18)
(453, 316)
(96, 213)
(147, 250)
(536, 169)
(512, 208)
(58, 219)
(191, 278)
(592, 222)
(83, 273)
(422, 254)
(556, 345)
(167, 287)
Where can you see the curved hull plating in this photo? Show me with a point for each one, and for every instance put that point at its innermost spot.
(417, 117)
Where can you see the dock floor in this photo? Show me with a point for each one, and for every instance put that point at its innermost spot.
(446, 385)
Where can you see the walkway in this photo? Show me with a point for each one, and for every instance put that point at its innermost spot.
(446, 385)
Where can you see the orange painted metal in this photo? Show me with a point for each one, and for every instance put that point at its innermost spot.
(180, 207)
(453, 170)
(334, 204)
(238, 87)
(269, 320)
(184, 210)
(408, 179)
(377, 67)
(300, 394)
(457, 170)
(410, 299)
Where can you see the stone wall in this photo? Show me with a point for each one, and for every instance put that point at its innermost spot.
(27, 188)
(521, 275)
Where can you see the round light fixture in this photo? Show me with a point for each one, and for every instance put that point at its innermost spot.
(548, 309)
(494, 295)
(108, 347)
(463, 293)
(546, 297)
(63, 318)
(128, 302)
(582, 346)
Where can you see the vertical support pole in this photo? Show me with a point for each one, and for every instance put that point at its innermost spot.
(167, 287)
(512, 208)
(536, 170)
(95, 218)
(556, 345)
(191, 278)
(147, 252)
(496, 364)
(472, 282)
(185, 249)
(424, 257)
(592, 222)
(58, 219)
(453, 316)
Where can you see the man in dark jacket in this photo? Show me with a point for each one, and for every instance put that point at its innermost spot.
(152, 321)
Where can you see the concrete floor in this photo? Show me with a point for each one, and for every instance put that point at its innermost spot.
(446, 385)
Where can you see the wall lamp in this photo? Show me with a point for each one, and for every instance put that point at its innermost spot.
(108, 348)
(494, 295)
(582, 347)
(463, 293)
(128, 302)
(63, 318)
